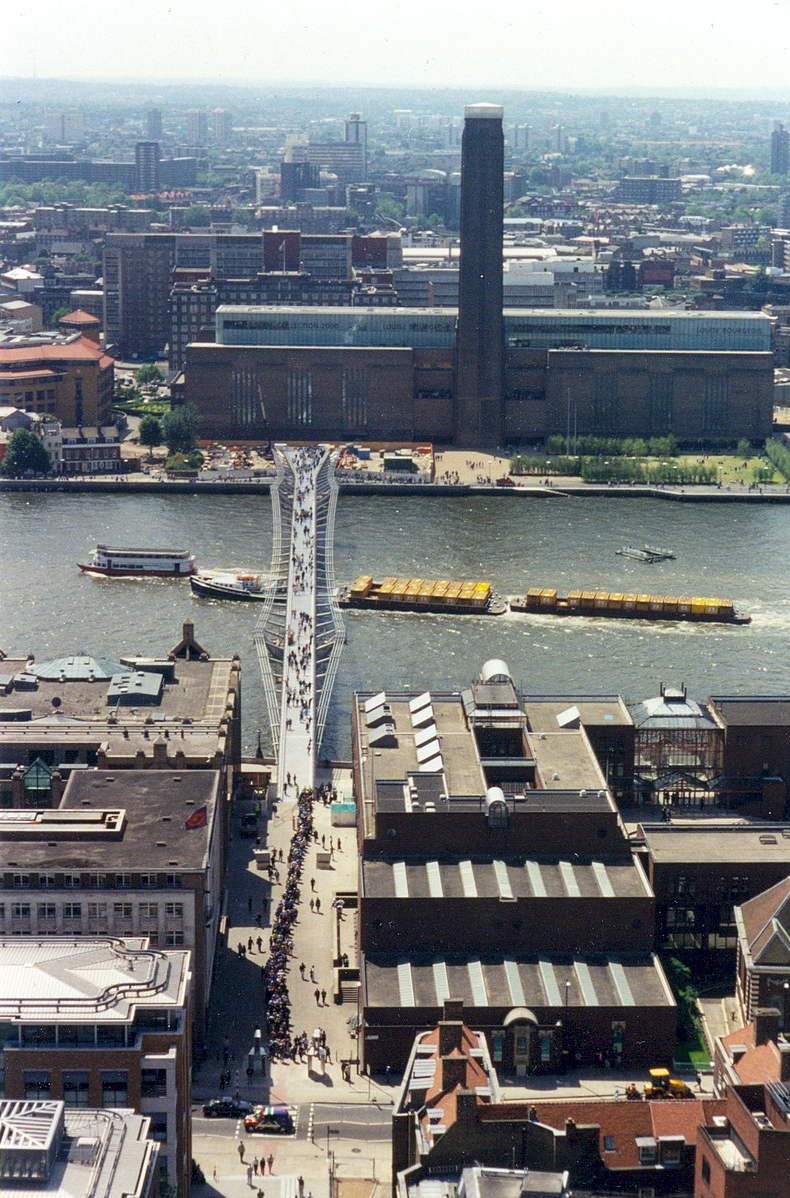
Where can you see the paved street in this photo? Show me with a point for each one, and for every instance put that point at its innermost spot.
(358, 1112)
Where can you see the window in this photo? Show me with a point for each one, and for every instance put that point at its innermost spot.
(122, 910)
(123, 881)
(154, 1083)
(37, 1083)
(618, 1036)
(114, 1085)
(21, 881)
(174, 939)
(608, 1143)
(545, 1041)
(173, 881)
(76, 1088)
(174, 910)
(497, 1047)
(46, 881)
(72, 911)
(671, 1152)
(647, 1151)
(72, 881)
(159, 1126)
(149, 912)
(706, 1170)
(47, 913)
(20, 910)
(97, 881)
(714, 405)
(147, 881)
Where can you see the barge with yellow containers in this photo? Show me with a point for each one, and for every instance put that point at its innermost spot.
(423, 595)
(626, 606)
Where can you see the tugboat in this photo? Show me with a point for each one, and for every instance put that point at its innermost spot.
(648, 553)
(139, 563)
(227, 584)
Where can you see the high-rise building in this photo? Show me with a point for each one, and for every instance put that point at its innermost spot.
(146, 162)
(479, 342)
(520, 137)
(154, 124)
(780, 149)
(65, 127)
(222, 126)
(357, 135)
(197, 127)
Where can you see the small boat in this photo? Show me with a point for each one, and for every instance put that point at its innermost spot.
(117, 562)
(228, 584)
(646, 554)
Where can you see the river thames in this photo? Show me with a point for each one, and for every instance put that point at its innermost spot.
(728, 550)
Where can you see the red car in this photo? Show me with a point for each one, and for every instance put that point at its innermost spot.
(270, 1120)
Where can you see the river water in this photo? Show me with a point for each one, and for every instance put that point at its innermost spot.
(736, 551)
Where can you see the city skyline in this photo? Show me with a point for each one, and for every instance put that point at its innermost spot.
(689, 47)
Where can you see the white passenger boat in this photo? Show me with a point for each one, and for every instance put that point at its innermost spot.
(227, 584)
(119, 562)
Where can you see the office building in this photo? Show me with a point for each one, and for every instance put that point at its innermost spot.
(57, 1152)
(119, 880)
(154, 124)
(98, 1022)
(357, 135)
(649, 189)
(479, 349)
(221, 126)
(65, 127)
(146, 161)
(780, 149)
(295, 177)
(345, 159)
(63, 374)
(197, 127)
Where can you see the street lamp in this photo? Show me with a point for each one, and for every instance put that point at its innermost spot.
(567, 993)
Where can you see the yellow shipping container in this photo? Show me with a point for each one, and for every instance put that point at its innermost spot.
(588, 598)
(643, 602)
(534, 593)
(629, 602)
(601, 598)
(362, 585)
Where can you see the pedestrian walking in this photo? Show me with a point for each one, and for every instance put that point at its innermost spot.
(300, 1183)
(312, 884)
(302, 970)
(312, 904)
(255, 1165)
(323, 998)
(270, 1159)
(317, 997)
(312, 973)
(318, 906)
(241, 1153)
(249, 1175)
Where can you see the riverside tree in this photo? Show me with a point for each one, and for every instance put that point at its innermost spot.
(26, 452)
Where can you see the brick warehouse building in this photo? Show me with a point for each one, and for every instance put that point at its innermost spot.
(390, 374)
(481, 376)
(544, 929)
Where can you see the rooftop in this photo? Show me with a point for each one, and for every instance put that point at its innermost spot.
(516, 877)
(100, 1154)
(117, 820)
(425, 981)
(60, 979)
(714, 843)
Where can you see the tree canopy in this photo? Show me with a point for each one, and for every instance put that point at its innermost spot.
(150, 432)
(149, 373)
(25, 452)
(179, 429)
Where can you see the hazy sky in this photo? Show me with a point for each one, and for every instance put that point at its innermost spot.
(443, 43)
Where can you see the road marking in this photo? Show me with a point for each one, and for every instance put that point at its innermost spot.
(310, 1121)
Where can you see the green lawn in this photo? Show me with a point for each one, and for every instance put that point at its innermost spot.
(733, 469)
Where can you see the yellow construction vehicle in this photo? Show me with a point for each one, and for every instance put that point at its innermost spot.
(662, 1085)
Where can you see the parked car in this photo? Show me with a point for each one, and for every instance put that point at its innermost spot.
(505, 481)
(269, 1120)
(226, 1108)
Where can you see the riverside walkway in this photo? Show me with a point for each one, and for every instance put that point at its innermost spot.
(300, 633)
